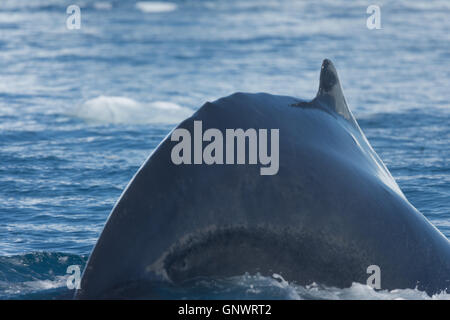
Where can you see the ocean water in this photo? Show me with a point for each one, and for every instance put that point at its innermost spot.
(80, 110)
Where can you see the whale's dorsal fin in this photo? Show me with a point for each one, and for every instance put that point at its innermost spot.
(330, 90)
(330, 96)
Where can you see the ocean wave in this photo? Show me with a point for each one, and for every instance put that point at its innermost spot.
(42, 275)
(111, 109)
(155, 6)
(275, 287)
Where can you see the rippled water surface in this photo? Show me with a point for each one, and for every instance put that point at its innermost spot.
(80, 110)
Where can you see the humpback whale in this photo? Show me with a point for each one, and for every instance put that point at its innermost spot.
(331, 210)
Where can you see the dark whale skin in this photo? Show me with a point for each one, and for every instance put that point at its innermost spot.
(332, 210)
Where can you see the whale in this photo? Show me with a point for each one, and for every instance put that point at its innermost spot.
(331, 211)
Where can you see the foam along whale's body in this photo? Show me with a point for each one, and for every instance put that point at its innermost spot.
(332, 210)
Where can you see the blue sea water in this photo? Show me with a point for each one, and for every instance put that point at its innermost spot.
(80, 110)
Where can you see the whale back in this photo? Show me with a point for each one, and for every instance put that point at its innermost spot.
(332, 209)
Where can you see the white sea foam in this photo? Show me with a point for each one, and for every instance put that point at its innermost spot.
(125, 110)
(359, 291)
(155, 6)
(103, 5)
(21, 288)
(36, 285)
(258, 284)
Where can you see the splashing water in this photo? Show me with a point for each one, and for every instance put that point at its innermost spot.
(126, 110)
